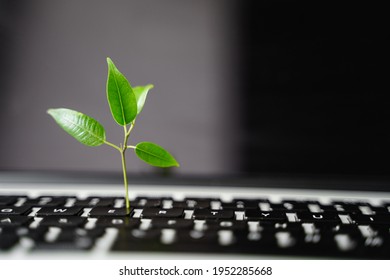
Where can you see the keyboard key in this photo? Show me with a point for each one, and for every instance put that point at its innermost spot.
(183, 205)
(138, 240)
(13, 210)
(73, 233)
(71, 221)
(350, 229)
(8, 241)
(279, 227)
(232, 206)
(200, 200)
(371, 219)
(59, 211)
(94, 201)
(7, 200)
(82, 232)
(242, 204)
(109, 212)
(321, 208)
(201, 214)
(141, 202)
(14, 221)
(254, 242)
(125, 234)
(32, 233)
(171, 223)
(226, 225)
(381, 230)
(162, 213)
(324, 217)
(66, 243)
(258, 215)
(49, 201)
(349, 206)
(126, 222)
(346, 242)
(276, 207)
(194, 203)
(295, 205)
(197, 241)
(250, 203)
(197, 237)
(380, 210)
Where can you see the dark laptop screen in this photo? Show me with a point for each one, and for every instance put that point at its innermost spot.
(315, 81)
(241, 87)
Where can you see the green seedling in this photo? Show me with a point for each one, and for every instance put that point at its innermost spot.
(125, 103)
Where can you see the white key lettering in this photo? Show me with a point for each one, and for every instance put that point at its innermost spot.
(59, 210)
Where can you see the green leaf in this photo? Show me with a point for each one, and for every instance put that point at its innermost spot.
(140, 94)
(155, 155)
(82, 127)
(120, 95)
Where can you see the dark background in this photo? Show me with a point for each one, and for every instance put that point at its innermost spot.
(316, 86)
(245, 87)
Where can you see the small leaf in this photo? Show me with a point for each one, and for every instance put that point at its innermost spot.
(82, 127)
(155, 155)
(120, 95)
(140, 94)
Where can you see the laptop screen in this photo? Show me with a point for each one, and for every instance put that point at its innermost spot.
(241, 87)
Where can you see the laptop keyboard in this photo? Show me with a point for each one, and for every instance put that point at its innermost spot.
(340, 229)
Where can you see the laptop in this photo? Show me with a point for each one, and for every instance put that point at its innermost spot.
(276, 113)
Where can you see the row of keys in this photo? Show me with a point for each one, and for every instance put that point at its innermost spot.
(249, 236)
(285, 242)
(251, 214)
(70, 215)
(164, 223)
(197, 203)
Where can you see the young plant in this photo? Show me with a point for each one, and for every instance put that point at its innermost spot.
(125, 103)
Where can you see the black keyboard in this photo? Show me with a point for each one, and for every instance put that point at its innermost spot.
(307, 228)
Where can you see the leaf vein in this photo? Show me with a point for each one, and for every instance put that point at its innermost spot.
(149, 153)
(83, 129)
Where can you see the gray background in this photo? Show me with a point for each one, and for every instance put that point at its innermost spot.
(54, 55)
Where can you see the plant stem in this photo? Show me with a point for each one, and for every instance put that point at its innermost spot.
(112, 145)
(123, 151)
(125, 180)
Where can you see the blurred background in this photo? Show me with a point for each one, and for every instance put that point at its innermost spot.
(241, 87)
